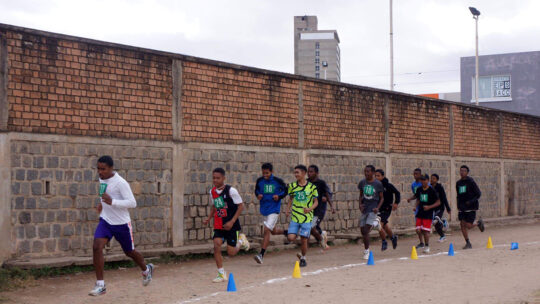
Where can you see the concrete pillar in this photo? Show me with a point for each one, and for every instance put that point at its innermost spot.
(177, 100)
(453, 194)
(5, 199)
(3, 84)
(502, 191)
(451, 129)
(386, 125)
(300, 116)
(178, 196)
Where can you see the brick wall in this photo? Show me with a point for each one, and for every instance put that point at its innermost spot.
(521, 136)
(225, 105)
(476, 132)
(418, 126)
(342, 118)
(54, 189)
(522, 188)
(65, 87)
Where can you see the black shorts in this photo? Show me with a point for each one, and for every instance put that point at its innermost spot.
(385, 214)
(467, 216)
(231, 236)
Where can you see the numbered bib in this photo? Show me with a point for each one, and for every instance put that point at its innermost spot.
(301, 196)
(424, 198)
(369, 190)
(269, 189)
(462, 189)
(219, 202)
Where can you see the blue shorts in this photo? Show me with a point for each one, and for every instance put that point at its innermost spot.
(122, 233)
(304, 230)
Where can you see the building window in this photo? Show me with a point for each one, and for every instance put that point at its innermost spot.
(317, 60)
(317, 45)
(317, 68)
(317, 75)
(492, 88)
(317, 53)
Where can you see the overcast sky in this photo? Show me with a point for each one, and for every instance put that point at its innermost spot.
(429, 36)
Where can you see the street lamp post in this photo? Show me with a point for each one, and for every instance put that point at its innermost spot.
(476, 14)
(391, 50)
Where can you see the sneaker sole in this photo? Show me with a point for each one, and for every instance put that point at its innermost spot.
(97, 295)
(257, 260)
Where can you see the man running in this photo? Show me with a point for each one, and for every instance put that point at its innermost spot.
(438, 220)
(227, 205)
(319, 212)
(371, 200)
(417, 174)
(427, 200)
(468, 195)
(114, 221)
(269, 190)
(388, 206)
(302, 201)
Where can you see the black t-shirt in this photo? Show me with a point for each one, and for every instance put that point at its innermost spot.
(426, 197)
(322, 189)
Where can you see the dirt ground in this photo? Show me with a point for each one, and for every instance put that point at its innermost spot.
(339, 275)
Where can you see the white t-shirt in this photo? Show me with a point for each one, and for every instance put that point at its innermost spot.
(237, 199)
(122, 198)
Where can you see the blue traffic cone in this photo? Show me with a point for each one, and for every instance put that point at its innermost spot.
(451, 250)
(371, 261)
(231, 286)
(514, 246)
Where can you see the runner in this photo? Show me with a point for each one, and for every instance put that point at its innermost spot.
(439, 221)
(114, 221)
(427, 200)
(227, 206)
(269, 190)
(468, 195)
(371, 200)
(325, 196)
(417, 174)
(388, 206)
(302, 201)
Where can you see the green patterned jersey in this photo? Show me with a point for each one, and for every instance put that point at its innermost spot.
(302, 197)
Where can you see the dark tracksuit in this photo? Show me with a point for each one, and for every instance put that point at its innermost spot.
(440, 210)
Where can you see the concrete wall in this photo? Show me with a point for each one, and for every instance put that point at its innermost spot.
(169, 119)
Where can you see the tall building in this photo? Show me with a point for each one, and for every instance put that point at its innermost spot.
(506, 81)
(316, 52)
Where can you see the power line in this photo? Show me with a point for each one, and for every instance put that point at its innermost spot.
(407, 73)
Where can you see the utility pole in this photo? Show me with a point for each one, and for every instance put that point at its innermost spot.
(391, 50)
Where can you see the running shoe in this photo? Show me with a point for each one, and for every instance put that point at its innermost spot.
(426, 249)
(467, 246)
(442, 239)
(147, 278)
(258, 258)
(98, 290)
(303, 263)
(244, 241)
(366, 254)
(221, 277)
(384, 245)
(421, 245)
(324, 242)
(445, 224)
(394, 241)
(481, 225)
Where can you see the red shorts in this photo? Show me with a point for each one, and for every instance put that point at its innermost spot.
(423, 224)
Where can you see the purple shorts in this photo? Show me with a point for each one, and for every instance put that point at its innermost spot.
(122, 233)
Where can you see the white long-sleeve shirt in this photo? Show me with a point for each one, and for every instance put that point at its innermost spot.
(122, 198)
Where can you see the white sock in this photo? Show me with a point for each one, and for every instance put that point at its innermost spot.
(100, 283)
(221, 270)
(303, 257)
(147, 270)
